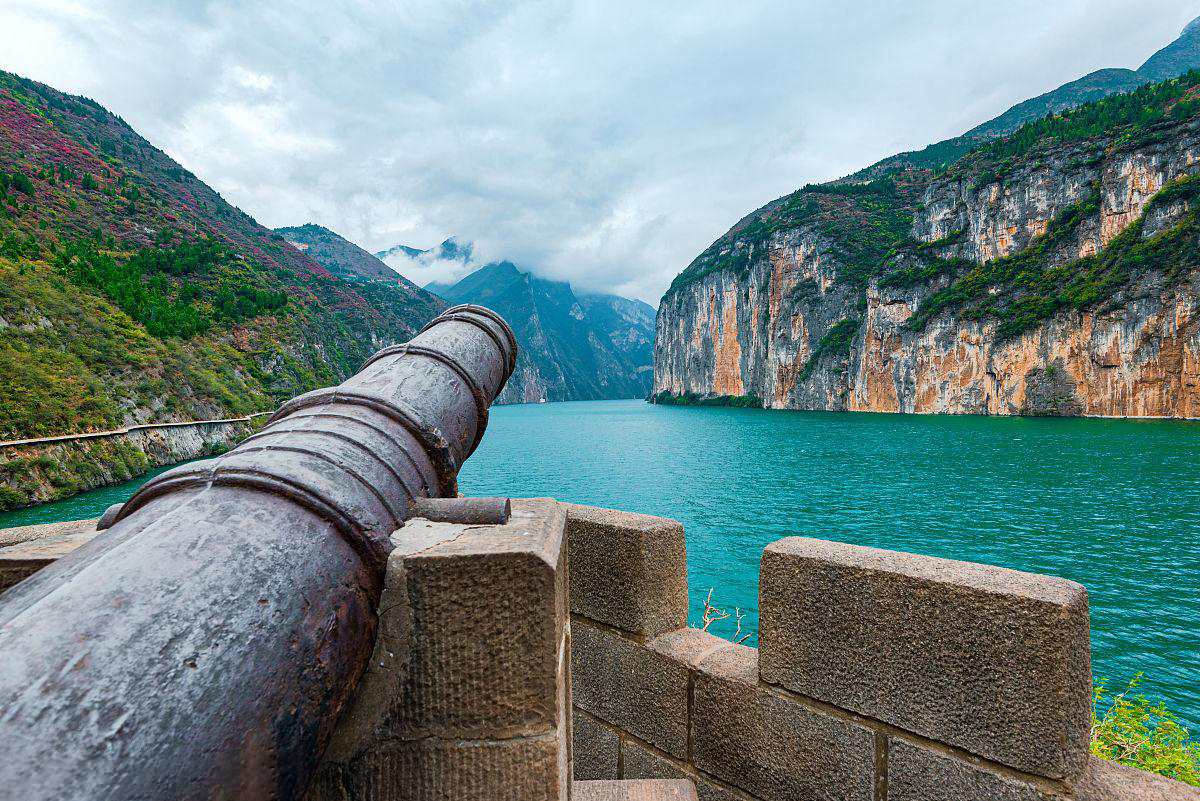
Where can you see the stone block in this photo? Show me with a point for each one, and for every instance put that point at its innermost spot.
(774, 747)
(630, 686)
(1107, 781)
(642, 763)
(994, 661)
(627, 570)
(520, 769)
(35, 547)
(916, 773)
(489, 613)
(467, 694)
(596, 748)
(688, 646)
(638, 762)
(651, 790)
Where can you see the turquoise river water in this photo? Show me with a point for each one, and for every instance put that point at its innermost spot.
(1113, 504)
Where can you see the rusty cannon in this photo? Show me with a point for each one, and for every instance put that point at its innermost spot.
(203, 646)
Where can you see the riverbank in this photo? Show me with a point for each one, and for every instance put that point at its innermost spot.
(87, 505)
(35, 471)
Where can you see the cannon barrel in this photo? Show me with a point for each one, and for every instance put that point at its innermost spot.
(203, 646)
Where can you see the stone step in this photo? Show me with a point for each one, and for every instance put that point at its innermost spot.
(635, 790)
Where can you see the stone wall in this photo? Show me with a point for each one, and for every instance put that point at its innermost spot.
(879, 676)
(467, 695)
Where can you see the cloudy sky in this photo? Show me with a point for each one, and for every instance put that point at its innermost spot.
(605, 142)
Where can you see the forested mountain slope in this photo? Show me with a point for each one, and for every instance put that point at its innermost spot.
(347, 260)
(131, 292)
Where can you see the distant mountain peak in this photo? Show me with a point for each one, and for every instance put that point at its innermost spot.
(1178, 57)
(573, 346)
(451, 249)
(344, 258)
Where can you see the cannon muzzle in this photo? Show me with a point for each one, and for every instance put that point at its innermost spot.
(203, 646)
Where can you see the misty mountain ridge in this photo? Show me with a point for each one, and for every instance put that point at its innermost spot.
(449, 250)
(574, 346)
(349, 262)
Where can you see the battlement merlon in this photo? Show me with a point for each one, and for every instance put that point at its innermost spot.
(879, 675)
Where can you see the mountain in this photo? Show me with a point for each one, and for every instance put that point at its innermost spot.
(450, 250)
(349, 262)
(573, 347)
(1092, 86)
(1180, 56)
(1053, 270)
(399, 250)
(629, 325)
(131, 292)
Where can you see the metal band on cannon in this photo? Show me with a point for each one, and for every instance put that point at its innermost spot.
(203, 645)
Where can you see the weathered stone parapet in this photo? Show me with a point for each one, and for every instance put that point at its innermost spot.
(881, 677)
(43, 531)
(916, 772)
(628, 570)
(768, 744)
(26, 550)
(635, 791)
(483, 685)
(631, 686)
(1108, 781)
(994, 661)
(468, 692)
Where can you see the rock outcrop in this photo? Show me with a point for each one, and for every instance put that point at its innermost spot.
(1048, 273)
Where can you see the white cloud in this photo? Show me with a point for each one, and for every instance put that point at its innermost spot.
(421, 270)
(603, 142)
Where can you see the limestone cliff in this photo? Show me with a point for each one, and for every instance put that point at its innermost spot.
(1055, 271)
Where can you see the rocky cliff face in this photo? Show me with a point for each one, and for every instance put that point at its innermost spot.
(1058, 277)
